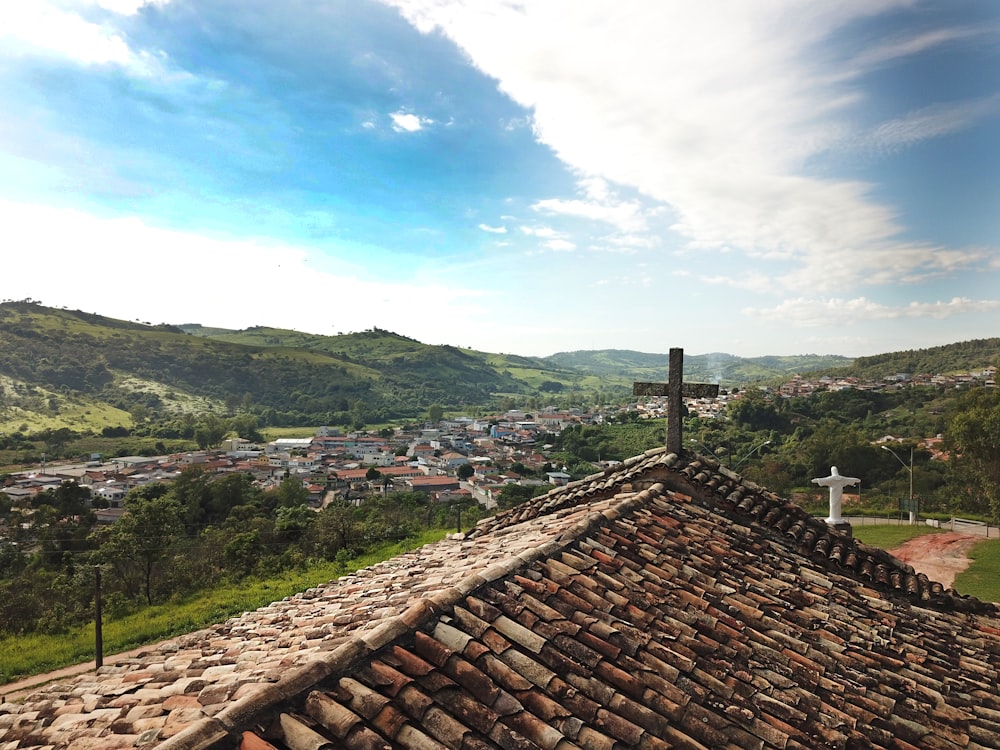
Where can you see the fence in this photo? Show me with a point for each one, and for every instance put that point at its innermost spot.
(965, 525)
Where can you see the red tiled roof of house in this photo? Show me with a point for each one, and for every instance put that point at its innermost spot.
(662, 603)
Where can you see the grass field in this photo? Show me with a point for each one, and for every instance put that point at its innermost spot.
(889, 537)
(27, 655)
(982, 578)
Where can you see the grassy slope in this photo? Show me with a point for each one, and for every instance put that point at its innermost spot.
(163, 361)
(22, 656)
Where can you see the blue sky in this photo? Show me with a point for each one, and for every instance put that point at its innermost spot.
(529, 177)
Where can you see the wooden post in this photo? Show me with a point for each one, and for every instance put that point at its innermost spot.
(98, 629)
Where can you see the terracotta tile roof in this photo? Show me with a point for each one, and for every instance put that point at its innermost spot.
(662, 604)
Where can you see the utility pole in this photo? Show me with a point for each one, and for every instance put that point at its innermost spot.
(98, 631)
(912, 509)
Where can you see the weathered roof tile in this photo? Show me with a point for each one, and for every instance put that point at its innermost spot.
(664, 603)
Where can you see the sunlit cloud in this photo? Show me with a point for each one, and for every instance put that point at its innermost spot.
(811, 312)
(560, 246)
(407, 122)
(42, 28)
(906, 46)
(288, 270)
(626, 216)
(538, 231)
(725, 145)
(493, 230)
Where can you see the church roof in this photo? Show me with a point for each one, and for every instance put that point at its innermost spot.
(662, 603)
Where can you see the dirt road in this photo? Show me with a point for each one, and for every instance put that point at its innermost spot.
(940, 556)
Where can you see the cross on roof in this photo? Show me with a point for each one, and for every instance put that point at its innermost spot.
(676, 390)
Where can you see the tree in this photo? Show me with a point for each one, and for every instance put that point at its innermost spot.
(245, 426)
(141, 539)
(292, 492)
(465, 471)
(435, 413)
(515, 494)
(974, 437)
(210, 431)
(292, 521)
(755, 411)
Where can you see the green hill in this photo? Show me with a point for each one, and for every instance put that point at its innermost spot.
(726, 369)
(965, 356)
(67, 368)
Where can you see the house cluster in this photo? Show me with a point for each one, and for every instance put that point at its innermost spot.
(800, 386)
(706, 408)
(332, 465)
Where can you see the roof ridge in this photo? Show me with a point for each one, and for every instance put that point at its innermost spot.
(729, 492)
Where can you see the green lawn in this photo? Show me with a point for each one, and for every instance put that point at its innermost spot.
(26, 655)
(982, 578)
(888, 536)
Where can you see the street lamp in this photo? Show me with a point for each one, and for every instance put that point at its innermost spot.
(731, 465)
(748, 455)
(707, 450)
(913, 512)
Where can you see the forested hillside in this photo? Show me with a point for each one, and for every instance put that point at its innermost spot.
(81, 371)
(716, 367)
(68, 362)
(961, 357)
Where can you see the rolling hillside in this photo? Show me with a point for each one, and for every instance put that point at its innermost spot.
(726, 369)
(66, 368)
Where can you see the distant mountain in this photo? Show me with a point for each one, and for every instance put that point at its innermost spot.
(67, 368)
(716, 367)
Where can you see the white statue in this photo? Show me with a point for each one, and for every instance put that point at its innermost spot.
(836, 483)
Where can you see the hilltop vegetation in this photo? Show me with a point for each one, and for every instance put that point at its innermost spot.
(71, 369)
(58, 360)
(725, 369)
(89, 373)
(963, 356)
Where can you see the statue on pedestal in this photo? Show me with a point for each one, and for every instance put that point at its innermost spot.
(836, 483)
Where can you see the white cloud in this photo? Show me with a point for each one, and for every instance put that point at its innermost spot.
(539, 231)
(560, 246)
(810, 312)
(407, 122)
(97, 272)
(632, 241)
(625, 216)
(493, 230)
(722, 132)
(129, 7)
(932, 122)
(906, 46)
(45, 28)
